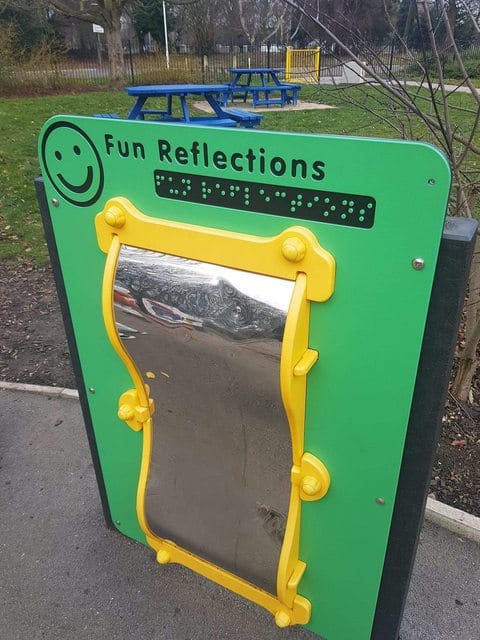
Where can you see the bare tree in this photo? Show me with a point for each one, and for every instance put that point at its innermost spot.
(260, 20)
(431, 104)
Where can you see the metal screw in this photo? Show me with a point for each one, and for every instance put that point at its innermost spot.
(380, 501)
(431, 182)
(55, 202)
(92, 390)
(418, 264)
(117, 522)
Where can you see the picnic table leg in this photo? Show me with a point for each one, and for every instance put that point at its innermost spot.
(249, 82)
(217, 108)
(275, 79)
(183, 101)
(136, 111)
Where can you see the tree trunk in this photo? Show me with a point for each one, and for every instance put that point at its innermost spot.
(116, 64)
(468, 361)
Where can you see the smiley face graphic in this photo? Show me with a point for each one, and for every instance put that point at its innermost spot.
(72, 163)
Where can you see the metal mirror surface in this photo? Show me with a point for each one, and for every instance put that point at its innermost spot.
(207, 339)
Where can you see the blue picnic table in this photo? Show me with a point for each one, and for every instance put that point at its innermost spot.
(269, 90)
(215, 95)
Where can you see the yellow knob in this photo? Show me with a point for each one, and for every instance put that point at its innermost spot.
(163, 557)
(293, 249)
(115, 217)
(282, 619)
(126, 412)
(310, 485)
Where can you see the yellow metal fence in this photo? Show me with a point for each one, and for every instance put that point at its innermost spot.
(302, 64)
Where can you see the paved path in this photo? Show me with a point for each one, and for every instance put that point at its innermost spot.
(64, 576)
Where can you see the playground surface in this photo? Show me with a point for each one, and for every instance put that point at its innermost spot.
(65, 575)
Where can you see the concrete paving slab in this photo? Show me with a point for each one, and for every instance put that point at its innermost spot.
(300, 106)
(63, 575)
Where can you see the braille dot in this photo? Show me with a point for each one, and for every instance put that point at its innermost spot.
(170, 191)
(350, 210)
(184, 193)
(369, 205)
(299, 203)
(351, 203)
(361, 218)
(176, 192)
(58, 155)
(204, 196)
(283, 194)
(293, 201)
(309, 205)
(267, 199)
(326, 214)
(232, 195)
(299, 197)
(209, 191)
(246, 189)
(183, 180)
(262, 192)
(204, 184)
(170, 179)
(292, 209)
(362, 211)
(316, 198)
(189, 181)
(247, 202)
(222, 192)
(333, 207)
(343, 216)
(76, 150)
(217, 186)
(327, 200)
(277, 194)
(344, 202)
(237, 188)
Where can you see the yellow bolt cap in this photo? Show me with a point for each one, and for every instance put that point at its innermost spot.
(310, 485)
(126, 412)
(282, 619)
(163, 557)
(293, 249)
(115, 217)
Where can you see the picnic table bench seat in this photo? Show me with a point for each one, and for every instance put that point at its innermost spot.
(288, 93)
(245, 117)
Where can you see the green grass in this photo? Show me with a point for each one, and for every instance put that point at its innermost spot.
(21, 233)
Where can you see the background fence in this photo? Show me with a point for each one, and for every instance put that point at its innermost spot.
(50, 70)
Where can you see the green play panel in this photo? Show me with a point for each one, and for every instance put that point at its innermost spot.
(377, 206)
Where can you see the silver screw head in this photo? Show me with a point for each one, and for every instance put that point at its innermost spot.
(55, 202)
(91, 390)
(380, 501)
(418, 264)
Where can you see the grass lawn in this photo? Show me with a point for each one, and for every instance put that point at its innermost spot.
(21, 233)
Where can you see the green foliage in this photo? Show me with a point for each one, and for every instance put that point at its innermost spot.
(450, 66)
(147, 17)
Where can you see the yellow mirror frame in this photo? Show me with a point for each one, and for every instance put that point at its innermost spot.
(295, 255)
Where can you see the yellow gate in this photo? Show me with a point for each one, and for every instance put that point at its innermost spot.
(302, 64)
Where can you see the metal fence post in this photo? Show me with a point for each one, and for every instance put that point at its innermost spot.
(288, 64)
(130, 58)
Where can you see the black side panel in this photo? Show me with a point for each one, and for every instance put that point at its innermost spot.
(425, 422)
(67, 321)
